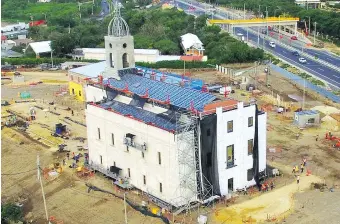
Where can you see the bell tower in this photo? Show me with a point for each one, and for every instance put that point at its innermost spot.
(119, 47)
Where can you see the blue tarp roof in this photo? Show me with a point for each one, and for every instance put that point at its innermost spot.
(307, 112)
(179, 96)
(172, 78)
(140, 114)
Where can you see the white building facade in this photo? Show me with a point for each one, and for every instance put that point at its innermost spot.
(235, 146)
(161, 139)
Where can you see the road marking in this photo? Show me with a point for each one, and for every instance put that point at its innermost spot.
(321, 69)
(326, 78)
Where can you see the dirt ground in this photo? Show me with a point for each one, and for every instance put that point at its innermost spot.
(68, 198)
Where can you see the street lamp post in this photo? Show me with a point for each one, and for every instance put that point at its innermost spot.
(308, 24)
(51, 54)
(125, 208)
(279, 28)
(267, 19)
(314, 31)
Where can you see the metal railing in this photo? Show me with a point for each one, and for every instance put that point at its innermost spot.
(300, 81)
(254, 20)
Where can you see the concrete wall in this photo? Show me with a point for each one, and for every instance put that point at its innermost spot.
(262, 130)
(77, 90)
(94, 94)
(18, 79)
(146, 57)
(239, 138)
(157, 140)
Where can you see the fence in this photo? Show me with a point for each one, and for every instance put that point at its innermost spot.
(300, 81)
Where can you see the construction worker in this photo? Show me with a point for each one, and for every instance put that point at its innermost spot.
(304, 162)
(297, 169)
(297, 136)
(272, 185)
(302, 167)
(298, 179)
(293, 170)
(316, 138)
(68, 155)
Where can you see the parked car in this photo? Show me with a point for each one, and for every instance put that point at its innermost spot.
(5, 68)
(45, 66)
(295, 53)
(302, 60)
(293, 38)
(272, 44)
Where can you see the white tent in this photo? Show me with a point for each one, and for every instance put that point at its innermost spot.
(40, 47)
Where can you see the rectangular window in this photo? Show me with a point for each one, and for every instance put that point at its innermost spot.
(98, 133)
(250, 146)
(311, 121)
(159, 158)
(129, 174)
(112, 139)
(160, 187)
(250, 174)
(144, 179)
(250, 121)
(230, 156)
(230, 126)
(208, 132)
(101, 159)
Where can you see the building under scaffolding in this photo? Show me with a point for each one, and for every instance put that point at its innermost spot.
(179, 145)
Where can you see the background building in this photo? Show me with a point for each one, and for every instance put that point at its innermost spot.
(192, 45)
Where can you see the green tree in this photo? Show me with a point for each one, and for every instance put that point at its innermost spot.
(167, 47)
(10, 212)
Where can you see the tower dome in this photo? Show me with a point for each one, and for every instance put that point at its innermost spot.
(117, 26)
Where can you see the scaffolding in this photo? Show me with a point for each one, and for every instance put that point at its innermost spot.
(194, 189)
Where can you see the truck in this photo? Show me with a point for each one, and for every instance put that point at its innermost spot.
(14, 27)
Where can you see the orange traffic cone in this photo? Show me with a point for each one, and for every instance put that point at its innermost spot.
(309, 172)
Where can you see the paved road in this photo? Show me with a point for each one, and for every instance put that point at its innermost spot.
(313, 67)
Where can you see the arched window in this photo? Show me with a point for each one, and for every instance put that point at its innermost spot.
(111, 61)
(125, 60)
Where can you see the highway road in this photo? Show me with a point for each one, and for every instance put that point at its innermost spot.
(313, 67)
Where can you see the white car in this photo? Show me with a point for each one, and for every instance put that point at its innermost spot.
(302, 60)
(272, 44)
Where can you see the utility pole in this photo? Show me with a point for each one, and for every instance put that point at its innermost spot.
(314, 31)
(267, 19)
(258, 36)
(304, 93)
(255, 74)
(42, 188)
(279, 29)
(244, 11)
(308, 25)
(268, 71)
(184, 67)
(125, 208)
